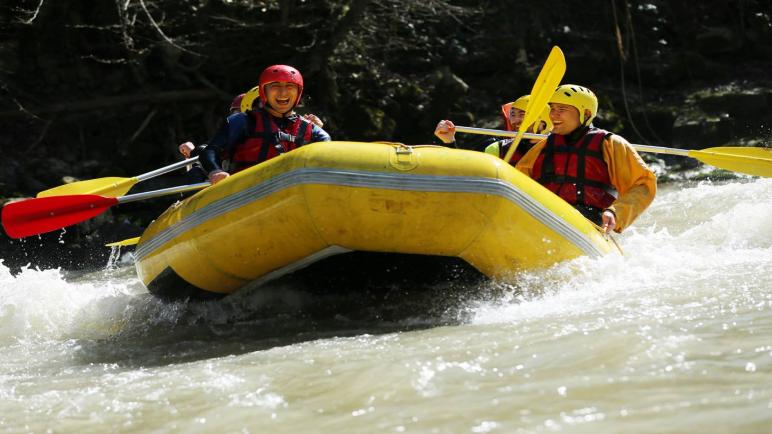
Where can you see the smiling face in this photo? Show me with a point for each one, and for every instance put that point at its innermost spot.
(565, 118)
(516, 117)
(281, 97)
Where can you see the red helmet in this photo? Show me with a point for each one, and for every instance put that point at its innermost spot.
(236, 103)
(285, 73)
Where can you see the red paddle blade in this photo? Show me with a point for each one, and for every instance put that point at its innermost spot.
(36, 216)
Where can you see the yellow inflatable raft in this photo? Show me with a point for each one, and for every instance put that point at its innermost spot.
(334, 197)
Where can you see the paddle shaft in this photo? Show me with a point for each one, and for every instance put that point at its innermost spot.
(149, 195)
(110, 186)
(502, 133)
(749, 160)
(497, 133)
(167, 169)
(162, 192)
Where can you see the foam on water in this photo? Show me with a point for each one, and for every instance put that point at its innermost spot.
(40, 305)
(692, 241)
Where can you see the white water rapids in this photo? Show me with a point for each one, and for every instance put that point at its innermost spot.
(676, 336)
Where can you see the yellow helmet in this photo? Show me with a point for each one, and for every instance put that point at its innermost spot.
(249, 98)
(579, 97)
(522, 104)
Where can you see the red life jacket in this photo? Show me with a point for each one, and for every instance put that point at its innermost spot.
(523, 147)
(267, 140)
(577, 172)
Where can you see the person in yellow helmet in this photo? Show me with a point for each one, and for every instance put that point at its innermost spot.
(596, 171)
(513, 114)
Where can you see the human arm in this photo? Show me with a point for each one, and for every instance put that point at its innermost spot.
(232, 132)
(446, 132)
(314, 119)
(318, 134)
(189, 150)
(633, 180)
(186, 148)
(608, 221)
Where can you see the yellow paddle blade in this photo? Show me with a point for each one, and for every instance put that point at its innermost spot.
(546, 83)
(753, 161)
(127, 242)
(110, 187)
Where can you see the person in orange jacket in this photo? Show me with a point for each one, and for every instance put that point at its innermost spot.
(596, 171)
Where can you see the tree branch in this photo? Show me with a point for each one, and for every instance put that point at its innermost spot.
(356, 10)
(116, 101)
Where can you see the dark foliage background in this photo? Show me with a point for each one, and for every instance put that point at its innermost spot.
(111, 87)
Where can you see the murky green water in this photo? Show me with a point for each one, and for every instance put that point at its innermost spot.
(674, 337)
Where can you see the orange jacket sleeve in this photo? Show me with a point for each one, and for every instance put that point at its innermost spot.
(634, 181)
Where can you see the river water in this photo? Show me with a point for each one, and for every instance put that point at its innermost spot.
(676, 336)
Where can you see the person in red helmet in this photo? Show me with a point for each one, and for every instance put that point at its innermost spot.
(236, 104)
(264, 132)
